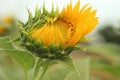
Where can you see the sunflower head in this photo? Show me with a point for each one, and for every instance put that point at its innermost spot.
(5, 24)
(55, 34)
(2, 30)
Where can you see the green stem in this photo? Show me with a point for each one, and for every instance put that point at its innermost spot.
(42, 75)
(45, 64)
(26, 75)
(36, 68)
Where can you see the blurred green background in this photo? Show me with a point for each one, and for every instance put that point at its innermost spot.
(104, 55)
(103, 51)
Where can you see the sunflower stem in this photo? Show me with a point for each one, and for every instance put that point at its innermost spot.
(42, 75)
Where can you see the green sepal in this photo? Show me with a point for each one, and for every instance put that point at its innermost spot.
(30, 19)
(80, 48)
(45, 11)
(54, 13)
(84, 39)
(68, 49)
(51, 51)
(20, 24)
(37, 14)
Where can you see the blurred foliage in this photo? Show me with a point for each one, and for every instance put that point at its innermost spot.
(66, 67)
(5, 24)
(11, 70)
(101, 62)
(105, 63)
(111, 34)
(8, 27)
(105, 57)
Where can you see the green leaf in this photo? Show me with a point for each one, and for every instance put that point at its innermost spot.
(60, 72)
(5, 44)
(56, 72)
(72, 76)
(68, 62)
(81, 71)
(25, 58)
(42, 67)
(11, 71)
(3, 76)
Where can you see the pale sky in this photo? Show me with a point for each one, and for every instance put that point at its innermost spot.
(108, 10)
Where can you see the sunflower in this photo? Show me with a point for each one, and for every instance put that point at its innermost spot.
(2, 30)
(54, 34)
(5, 23)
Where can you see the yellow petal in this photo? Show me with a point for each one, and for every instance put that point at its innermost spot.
(76, 37)
(58, 36)
(2, 29)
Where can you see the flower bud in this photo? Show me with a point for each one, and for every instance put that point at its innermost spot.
(54, 34)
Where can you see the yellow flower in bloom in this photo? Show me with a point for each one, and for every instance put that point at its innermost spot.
(2, 30)
(55, 34)
(8, 19)
(68, 28)
(5, 24)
